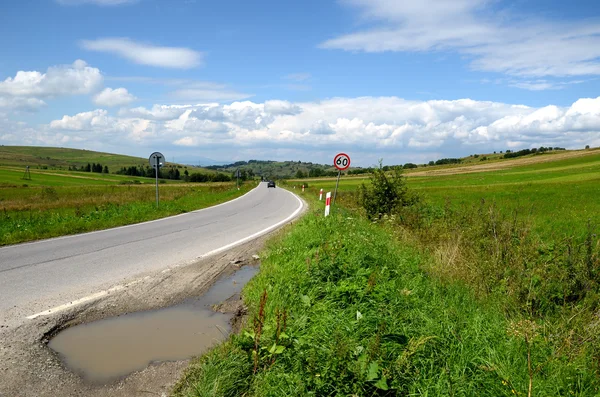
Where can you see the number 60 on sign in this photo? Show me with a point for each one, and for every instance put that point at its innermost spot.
(341, 161)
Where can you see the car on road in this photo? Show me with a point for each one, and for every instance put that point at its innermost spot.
(271, 184)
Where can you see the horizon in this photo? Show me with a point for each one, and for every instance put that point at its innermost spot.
(405, 82)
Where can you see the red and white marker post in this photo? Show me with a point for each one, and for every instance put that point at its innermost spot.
(327, 203)
(321, 195)
(302, 187)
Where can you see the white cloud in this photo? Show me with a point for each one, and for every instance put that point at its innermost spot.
(538, 85)
(367, 128)
(203, 94)
(96, 2)
(78, 78)
(117, 97)
(146, 54)
(158, 112)
(204, 91)
(21, 104)
(298, 76)
(84, 121)
(496, 40)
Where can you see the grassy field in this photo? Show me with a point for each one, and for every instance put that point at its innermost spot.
(40, 158)
(559, 196)
(57, 205)
(339, 308)
(62, 157)
(488, 286)
(14, 177)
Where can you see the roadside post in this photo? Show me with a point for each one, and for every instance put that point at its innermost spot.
(321, 195)
(327, 203)
(237, 174)
(156, 162)
(341, 161)
(302, 187)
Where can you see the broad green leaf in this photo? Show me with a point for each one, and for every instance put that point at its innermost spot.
(306, 300)
(373, 371)
(272, 349)
(382, 383)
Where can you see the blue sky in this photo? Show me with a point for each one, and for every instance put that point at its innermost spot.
(300, 80)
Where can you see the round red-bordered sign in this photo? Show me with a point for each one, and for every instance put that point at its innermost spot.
(341, 161)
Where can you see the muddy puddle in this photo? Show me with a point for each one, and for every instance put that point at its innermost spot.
(112, 348)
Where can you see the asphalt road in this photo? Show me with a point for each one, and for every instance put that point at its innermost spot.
(44, 274)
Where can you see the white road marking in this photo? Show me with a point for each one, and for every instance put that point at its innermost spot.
(133, 224)
(206, 255)
(85, 299)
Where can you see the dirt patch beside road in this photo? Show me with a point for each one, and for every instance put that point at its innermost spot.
(29, 368)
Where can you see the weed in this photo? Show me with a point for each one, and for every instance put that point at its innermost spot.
(363, 319)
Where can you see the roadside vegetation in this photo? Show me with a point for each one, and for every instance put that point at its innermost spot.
(471, 284)
(32, 213)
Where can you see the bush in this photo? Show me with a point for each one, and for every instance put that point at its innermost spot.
(385, 193)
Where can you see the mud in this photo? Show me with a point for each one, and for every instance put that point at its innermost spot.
(112, 348)
(28, 367)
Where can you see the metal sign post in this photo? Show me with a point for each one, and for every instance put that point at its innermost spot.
(341, 161)
(155, 161)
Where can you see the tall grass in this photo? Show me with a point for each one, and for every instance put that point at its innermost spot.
(34, 213)
(340, 308)
(489, 285)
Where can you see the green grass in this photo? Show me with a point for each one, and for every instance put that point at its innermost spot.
(558, 196)
(32, 213)
(37, 157)
(54, 201)
(445, 298)
(362, 318)
(55, 157)
(14, 177)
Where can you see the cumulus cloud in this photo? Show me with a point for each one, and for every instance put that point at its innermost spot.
(117, 97)
(496, 40)
(21, 104)
(78, 78)
(84, 121)
(146, 54)
(157, 112)
(367, 128)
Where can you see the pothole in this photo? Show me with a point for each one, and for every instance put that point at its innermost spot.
(112, 348)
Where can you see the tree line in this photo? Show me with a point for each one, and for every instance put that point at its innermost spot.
(509, 154)
(93, 167)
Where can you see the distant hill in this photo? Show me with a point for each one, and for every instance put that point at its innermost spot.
(277, 169)
(65, 158)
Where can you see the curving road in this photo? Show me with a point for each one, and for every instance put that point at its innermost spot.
(49, 270)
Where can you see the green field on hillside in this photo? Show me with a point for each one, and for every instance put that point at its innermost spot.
(560, 196)
(487, 286)
(15, 177)
(32, 213)
(57, 157)
(38, 158)
(54, 203)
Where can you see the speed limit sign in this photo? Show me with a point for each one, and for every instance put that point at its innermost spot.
(341, 161)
